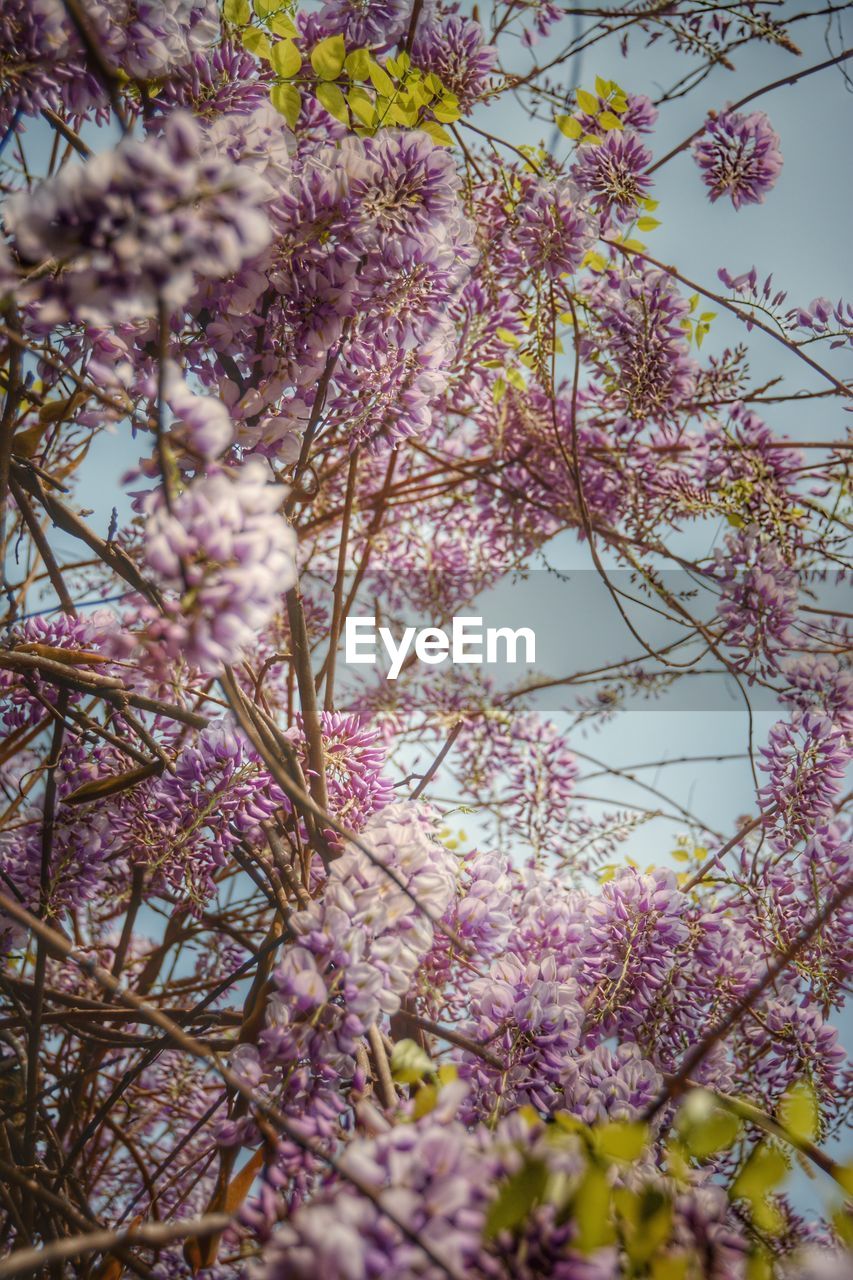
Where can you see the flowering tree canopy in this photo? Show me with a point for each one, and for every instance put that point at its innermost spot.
(365, 299)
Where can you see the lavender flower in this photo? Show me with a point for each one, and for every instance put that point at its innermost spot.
(226, 81)
(805, 759)
(639, 322)
(358, 949)
(738, 156)
(613, 174)
(758, 599)
(364, 22)
(229, 552)
(455, 50)
(137, 224)
(203, 422)
(553, 233)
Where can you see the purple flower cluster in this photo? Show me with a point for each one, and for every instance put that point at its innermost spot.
(363, 22)
(358, 948)
(738, 156)
(455, 50)
(355, 760)
(639, 319)
(137, 225)
(805, 760)
(613, 174)
(229, 553)
(553, 233)
(758, 599)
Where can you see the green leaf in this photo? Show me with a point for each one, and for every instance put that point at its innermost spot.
(498, 390)
(330, 97)
(507, 336)
(798, 1111)
(409, 1063)
(237, 11)
(603, 87)
(647, 224)
(425, 1101)
(621, 1140)
(399, 66)
(717, 1133)
(587, 102)
(590, 140)
(257, 43)
(327, 58)
(380, 79)
(569, 126)
(287, 99)
(591, 1208)
(437, 134)
(447, 114)
(362, 106)
(763, 1171)
(283, 26)
(672, 1266)
(357, 64)
(608, 120)
(286, 58)
(516, 1197)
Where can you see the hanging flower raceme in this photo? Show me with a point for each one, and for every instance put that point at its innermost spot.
(137, 226)
(223, 545)
(613, 174)
(455, 50)
(738, 156)
(553, 233)
(758, 600)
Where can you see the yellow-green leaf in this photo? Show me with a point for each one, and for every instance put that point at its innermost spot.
(569, 126)
(286, 58)
(608, 120)
(380, 79)
(445, 113)
(764, 1170)
(591, 1208)
(327, 58)
(257, 43)
(287, 99)
(425, 1101)
(409, 1063)
(798, 1110)
(330, 97)
(236, 11)
(361, 105)
(671, 1266)
(436, 132)
(587, 102)
(515, 1199)
(357, 64)
(647, 224)
(283, 26)
(602, 87)
(621, 1140)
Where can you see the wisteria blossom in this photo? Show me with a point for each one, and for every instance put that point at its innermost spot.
(738, 156)
(353, 330)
